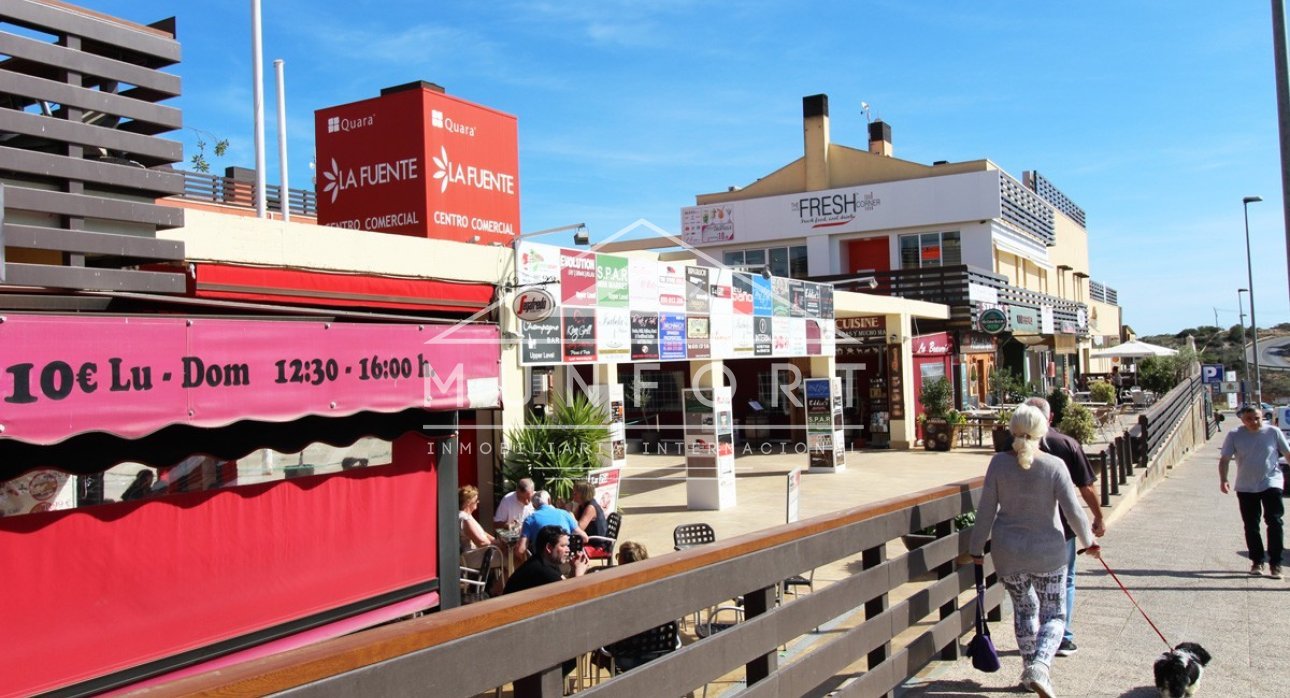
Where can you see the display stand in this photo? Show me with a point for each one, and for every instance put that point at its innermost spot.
(709, 449)
(613, 457)
(825, 442)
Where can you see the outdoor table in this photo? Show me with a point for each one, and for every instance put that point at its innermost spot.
(511, 538)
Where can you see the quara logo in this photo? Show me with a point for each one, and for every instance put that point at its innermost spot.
(333, 124)
(471, 176)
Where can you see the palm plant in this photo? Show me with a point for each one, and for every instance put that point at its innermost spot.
(560, 448)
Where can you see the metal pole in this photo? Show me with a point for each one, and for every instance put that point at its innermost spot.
(257, 90)
(1240, 305)
(284, 194)
(1283, 111)
(1254, 324)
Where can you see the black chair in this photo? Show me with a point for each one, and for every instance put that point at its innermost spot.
(690, 535)
(601, 548)
(637, 650)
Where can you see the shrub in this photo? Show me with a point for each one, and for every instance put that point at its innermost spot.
(1006, 385)
(1057, 400)
(937, 396)
(1078, 423)
(561, 448)
(1101, 391)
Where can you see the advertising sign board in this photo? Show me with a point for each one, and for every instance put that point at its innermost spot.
(416, 161)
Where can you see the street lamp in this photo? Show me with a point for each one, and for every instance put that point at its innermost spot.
(1240, 306)
(1254, 324)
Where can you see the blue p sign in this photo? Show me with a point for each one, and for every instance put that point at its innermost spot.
(1211, 373)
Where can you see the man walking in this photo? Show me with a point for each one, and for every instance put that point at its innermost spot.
(1259, 484)
(1082, 476)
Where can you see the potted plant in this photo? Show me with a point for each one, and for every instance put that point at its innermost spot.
(560, 448)
(1078, 423)
(999, 434)
(1101, 391)
(937, 398)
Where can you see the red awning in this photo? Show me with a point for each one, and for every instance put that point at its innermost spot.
(294, 286)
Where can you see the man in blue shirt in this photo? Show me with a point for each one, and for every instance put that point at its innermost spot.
(1259, 484)
(544, 514)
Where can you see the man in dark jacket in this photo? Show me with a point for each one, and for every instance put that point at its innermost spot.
(1083, 477)
(544, 567)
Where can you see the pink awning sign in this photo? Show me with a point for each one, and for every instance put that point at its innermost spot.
(130, 376)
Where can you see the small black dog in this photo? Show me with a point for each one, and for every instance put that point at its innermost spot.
(1178, 671)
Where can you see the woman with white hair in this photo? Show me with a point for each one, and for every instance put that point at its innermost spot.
(1018, 514)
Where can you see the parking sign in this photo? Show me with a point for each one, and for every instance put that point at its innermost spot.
(1211, 373)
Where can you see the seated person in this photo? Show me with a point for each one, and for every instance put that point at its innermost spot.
(551, 551)
(545, 514)
(472, 534)
(515, 506)
(640, 648)
(588, 512)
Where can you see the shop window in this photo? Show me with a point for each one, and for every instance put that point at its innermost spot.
(797, 262)
(782, 261)
(733, 258)
(754, 257)
(775, 388)
(779, 261)
(659, 391)
(45, 490)
(930, 250)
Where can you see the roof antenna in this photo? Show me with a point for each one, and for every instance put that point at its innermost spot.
(864, 108)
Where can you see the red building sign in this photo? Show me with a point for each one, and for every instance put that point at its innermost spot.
(415, 161)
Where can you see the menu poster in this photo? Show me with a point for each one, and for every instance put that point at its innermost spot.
(828, 336)
(811, 300)
(671, 286)
(671, 336)
(719, 284)
(579, 334)
(779, 296)
(763, 305)
(826, 300)
(797, 336)
(613, 332)
(642, 291)
(742, 335)
(721, 332)
(824, 437)
(538, 264)
(812, 337)
(540, 341)
(779, 335)
(698, 337)
(644, 336)
(896, 392)
(697, 293)
(741, 295)
(797, 298)
(611, 281)
(577, 278)
(762, 343)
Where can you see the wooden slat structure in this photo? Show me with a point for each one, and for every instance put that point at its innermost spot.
(81, 160)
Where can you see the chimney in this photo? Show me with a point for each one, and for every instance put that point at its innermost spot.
(815, 137)
(880, 138)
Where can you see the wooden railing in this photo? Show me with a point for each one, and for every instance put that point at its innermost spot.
(522, 639)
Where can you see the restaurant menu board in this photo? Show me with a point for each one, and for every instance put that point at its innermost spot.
(613, 456)
(709, 448)
(618, 309)
(825, 443)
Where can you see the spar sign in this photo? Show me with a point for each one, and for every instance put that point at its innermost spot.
(416, 161)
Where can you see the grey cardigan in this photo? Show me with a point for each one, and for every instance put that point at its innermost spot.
(1019, 507)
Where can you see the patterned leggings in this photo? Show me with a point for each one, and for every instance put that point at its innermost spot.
(1039, 612)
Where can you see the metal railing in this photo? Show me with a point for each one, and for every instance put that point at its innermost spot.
(510, 640)
(1146, 443)
(201, 186)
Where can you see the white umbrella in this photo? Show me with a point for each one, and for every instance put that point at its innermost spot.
(1132, 350)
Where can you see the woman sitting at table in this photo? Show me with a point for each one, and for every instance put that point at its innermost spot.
(642, 647)
(588, 512)
(473, 535)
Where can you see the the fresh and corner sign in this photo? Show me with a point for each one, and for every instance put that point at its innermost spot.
(415, 161)
(993, 321)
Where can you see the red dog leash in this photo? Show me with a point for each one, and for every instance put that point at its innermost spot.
(1135, 603)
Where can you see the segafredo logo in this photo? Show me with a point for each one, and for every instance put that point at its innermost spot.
(534, 305)
(337, 179)
(470, 176)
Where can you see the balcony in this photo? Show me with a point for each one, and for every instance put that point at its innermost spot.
(239, 191)
(966, 290)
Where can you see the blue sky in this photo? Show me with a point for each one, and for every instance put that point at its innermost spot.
(1155, 117)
